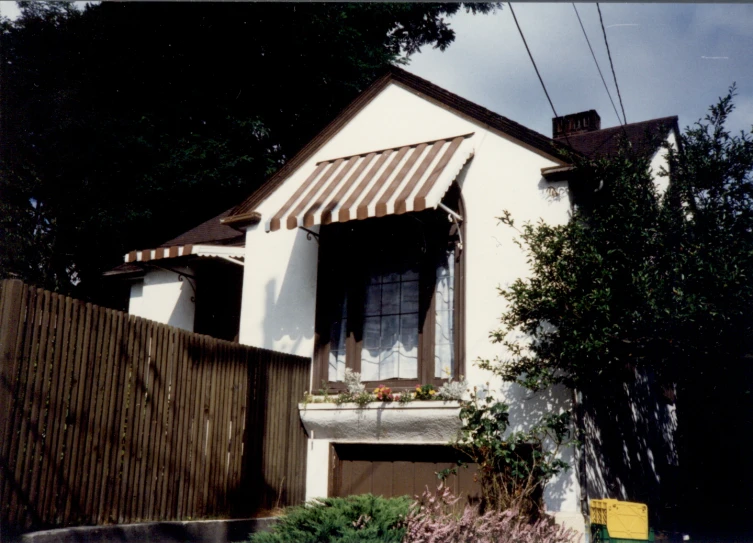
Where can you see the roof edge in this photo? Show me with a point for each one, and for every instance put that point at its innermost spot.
(241, 221)
(240, 216)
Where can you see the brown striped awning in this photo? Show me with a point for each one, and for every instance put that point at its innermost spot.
(175, 251)
(391, 181)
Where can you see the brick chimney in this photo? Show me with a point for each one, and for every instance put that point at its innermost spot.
(577, 123)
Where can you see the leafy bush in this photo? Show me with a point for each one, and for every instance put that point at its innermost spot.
(434, 519)
(513, 466)
(452, 390)
(355, 519)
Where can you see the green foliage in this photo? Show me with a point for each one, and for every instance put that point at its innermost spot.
(513, 466)
(355, 519)
(635, 278)
(112, 143)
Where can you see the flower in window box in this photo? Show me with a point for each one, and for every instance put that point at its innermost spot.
(383, 394)
(425, 392)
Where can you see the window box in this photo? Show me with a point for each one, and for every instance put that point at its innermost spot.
(417, 421)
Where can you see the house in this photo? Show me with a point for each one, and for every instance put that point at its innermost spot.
(377, 248)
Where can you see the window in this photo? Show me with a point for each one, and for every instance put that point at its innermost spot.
(388, 299)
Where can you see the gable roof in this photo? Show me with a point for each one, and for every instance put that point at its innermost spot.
(245, 212)
(211, 232)
(222, 229)
(644, 137)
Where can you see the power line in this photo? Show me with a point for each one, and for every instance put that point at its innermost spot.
(597, 65)
(533, 61)
(534, 66)
(611, 64)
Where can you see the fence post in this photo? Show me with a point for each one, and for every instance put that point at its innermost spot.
(11, 298)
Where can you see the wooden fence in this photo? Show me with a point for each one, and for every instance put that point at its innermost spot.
(111, 418)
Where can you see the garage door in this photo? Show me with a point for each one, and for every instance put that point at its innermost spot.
(397, 470)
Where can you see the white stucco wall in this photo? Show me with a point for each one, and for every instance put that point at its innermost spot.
(279, 291)
(659, 161)
(162, 297)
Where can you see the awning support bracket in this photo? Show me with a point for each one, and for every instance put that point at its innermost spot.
(455, 217)
(310, 234)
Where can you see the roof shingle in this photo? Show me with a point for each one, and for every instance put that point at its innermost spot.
(645, 138)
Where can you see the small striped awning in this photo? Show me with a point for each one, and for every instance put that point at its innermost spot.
(219, 251)
(391, 181)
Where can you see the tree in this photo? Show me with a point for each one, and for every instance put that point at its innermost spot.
(642, 287)
(125, 124)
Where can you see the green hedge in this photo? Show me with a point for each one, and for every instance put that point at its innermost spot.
(356, 519)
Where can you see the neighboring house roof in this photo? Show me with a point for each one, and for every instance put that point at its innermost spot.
(433, 166)
(645, 138)
(245, 212)
(211, 232)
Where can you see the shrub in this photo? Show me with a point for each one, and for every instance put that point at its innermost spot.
(452, 390)
(513, 466)
(434, 519)
(363, 519)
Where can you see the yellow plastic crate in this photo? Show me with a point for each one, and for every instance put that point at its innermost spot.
(624, 520)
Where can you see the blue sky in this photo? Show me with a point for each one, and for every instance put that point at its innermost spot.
(670, 59)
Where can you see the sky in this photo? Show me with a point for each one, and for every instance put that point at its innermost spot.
(670, 59)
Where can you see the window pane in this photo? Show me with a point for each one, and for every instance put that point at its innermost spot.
(373, 302)
(390, 333)
(338, 333)
(390, 329)
(444, 331)
(389, 365)
(408, 347)
(372, 334)
(390, 298)
(409, 297)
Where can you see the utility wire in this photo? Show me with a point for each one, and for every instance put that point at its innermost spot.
(534, 65)
(597, 64)
(611, 64)
(532, 61)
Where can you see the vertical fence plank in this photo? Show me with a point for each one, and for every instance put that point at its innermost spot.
(56, 420)
(62, 488)
(31, 408)
(154, 420)
(18, 445)
(48, 424)
(87, 316)
(183, 391)
(40, 428)
(117, 384)
(227, 426)
(123, 454)
(139, 434)
(144, 486)
(104, 405)
(199, 423)
(12, 308)
(97, 359)
(166, 482)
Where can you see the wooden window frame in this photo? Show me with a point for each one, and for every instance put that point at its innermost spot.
(329, 281)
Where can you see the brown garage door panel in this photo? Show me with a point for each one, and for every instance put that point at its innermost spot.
(397, 470)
